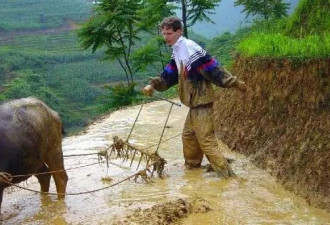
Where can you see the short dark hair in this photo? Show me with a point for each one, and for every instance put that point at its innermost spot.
(171, 22)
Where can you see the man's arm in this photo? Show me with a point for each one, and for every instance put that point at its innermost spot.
(164, 81)
(218, 75)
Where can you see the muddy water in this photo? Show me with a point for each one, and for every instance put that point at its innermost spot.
(253, 198)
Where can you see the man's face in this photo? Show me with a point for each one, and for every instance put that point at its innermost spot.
(171, 36)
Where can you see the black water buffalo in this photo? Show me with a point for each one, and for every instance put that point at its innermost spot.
(30, 143)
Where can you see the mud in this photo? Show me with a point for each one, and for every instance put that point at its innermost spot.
(166, 213)
(254, 197)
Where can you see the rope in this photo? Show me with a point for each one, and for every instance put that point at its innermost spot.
(85, 154)
(78, 193)
(54, 171)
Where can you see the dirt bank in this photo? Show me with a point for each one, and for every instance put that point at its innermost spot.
(282, 122)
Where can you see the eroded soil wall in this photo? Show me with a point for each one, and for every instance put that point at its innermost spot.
(282, 122)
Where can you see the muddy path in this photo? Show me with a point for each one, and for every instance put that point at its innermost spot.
(185, 197)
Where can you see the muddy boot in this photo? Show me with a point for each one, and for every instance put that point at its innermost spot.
(190, 166)
(230, 160)
(226, 174)
(208, 168)
(223, 169)
(221, 172)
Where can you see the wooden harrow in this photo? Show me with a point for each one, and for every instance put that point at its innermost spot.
(121, 149)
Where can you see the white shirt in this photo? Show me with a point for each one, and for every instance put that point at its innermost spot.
(186, 51)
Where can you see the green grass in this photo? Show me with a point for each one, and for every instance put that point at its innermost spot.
(310, 18)
(305, 34)
(281, 46)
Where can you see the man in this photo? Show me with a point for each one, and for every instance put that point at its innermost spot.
(194, 70)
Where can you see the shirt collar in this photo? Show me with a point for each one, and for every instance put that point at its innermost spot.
(177, 43)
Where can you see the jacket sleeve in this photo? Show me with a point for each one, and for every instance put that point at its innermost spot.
(211, 70)
(167, 78)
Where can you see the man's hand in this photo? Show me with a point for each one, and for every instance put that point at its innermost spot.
(148, 90)
(240, 85)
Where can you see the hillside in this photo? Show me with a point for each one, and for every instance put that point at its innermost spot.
(41, 14)
(40, 56)
(283, 121)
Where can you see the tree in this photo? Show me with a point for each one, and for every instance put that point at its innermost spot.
(265, 8)
(113, 28)
(195, 10)
(191, 11)
(155, 50)
(153, 12)
(153, 55)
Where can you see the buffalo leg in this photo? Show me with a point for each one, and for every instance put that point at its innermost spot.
(55, 162)
(1, 194)
(44, 179)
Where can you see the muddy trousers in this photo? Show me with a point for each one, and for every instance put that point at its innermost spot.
(198, 138)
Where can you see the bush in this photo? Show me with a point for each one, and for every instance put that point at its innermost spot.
(119, 95)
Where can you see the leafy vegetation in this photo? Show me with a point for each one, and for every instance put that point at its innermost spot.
(223, 47)
(113, 28)
(193, 11)
(305, 34)
(40, 14)
(54, 69)
(310, 18)
(264, 8)
(120, 95)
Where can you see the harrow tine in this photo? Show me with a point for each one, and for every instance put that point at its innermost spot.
(130, 153)
(112, 148)
(152, 172)
(107, 158)
(139, 161)
(126, 153)
(133, 158)
(148, 159)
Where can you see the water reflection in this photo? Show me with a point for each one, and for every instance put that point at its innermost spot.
(51, 210)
